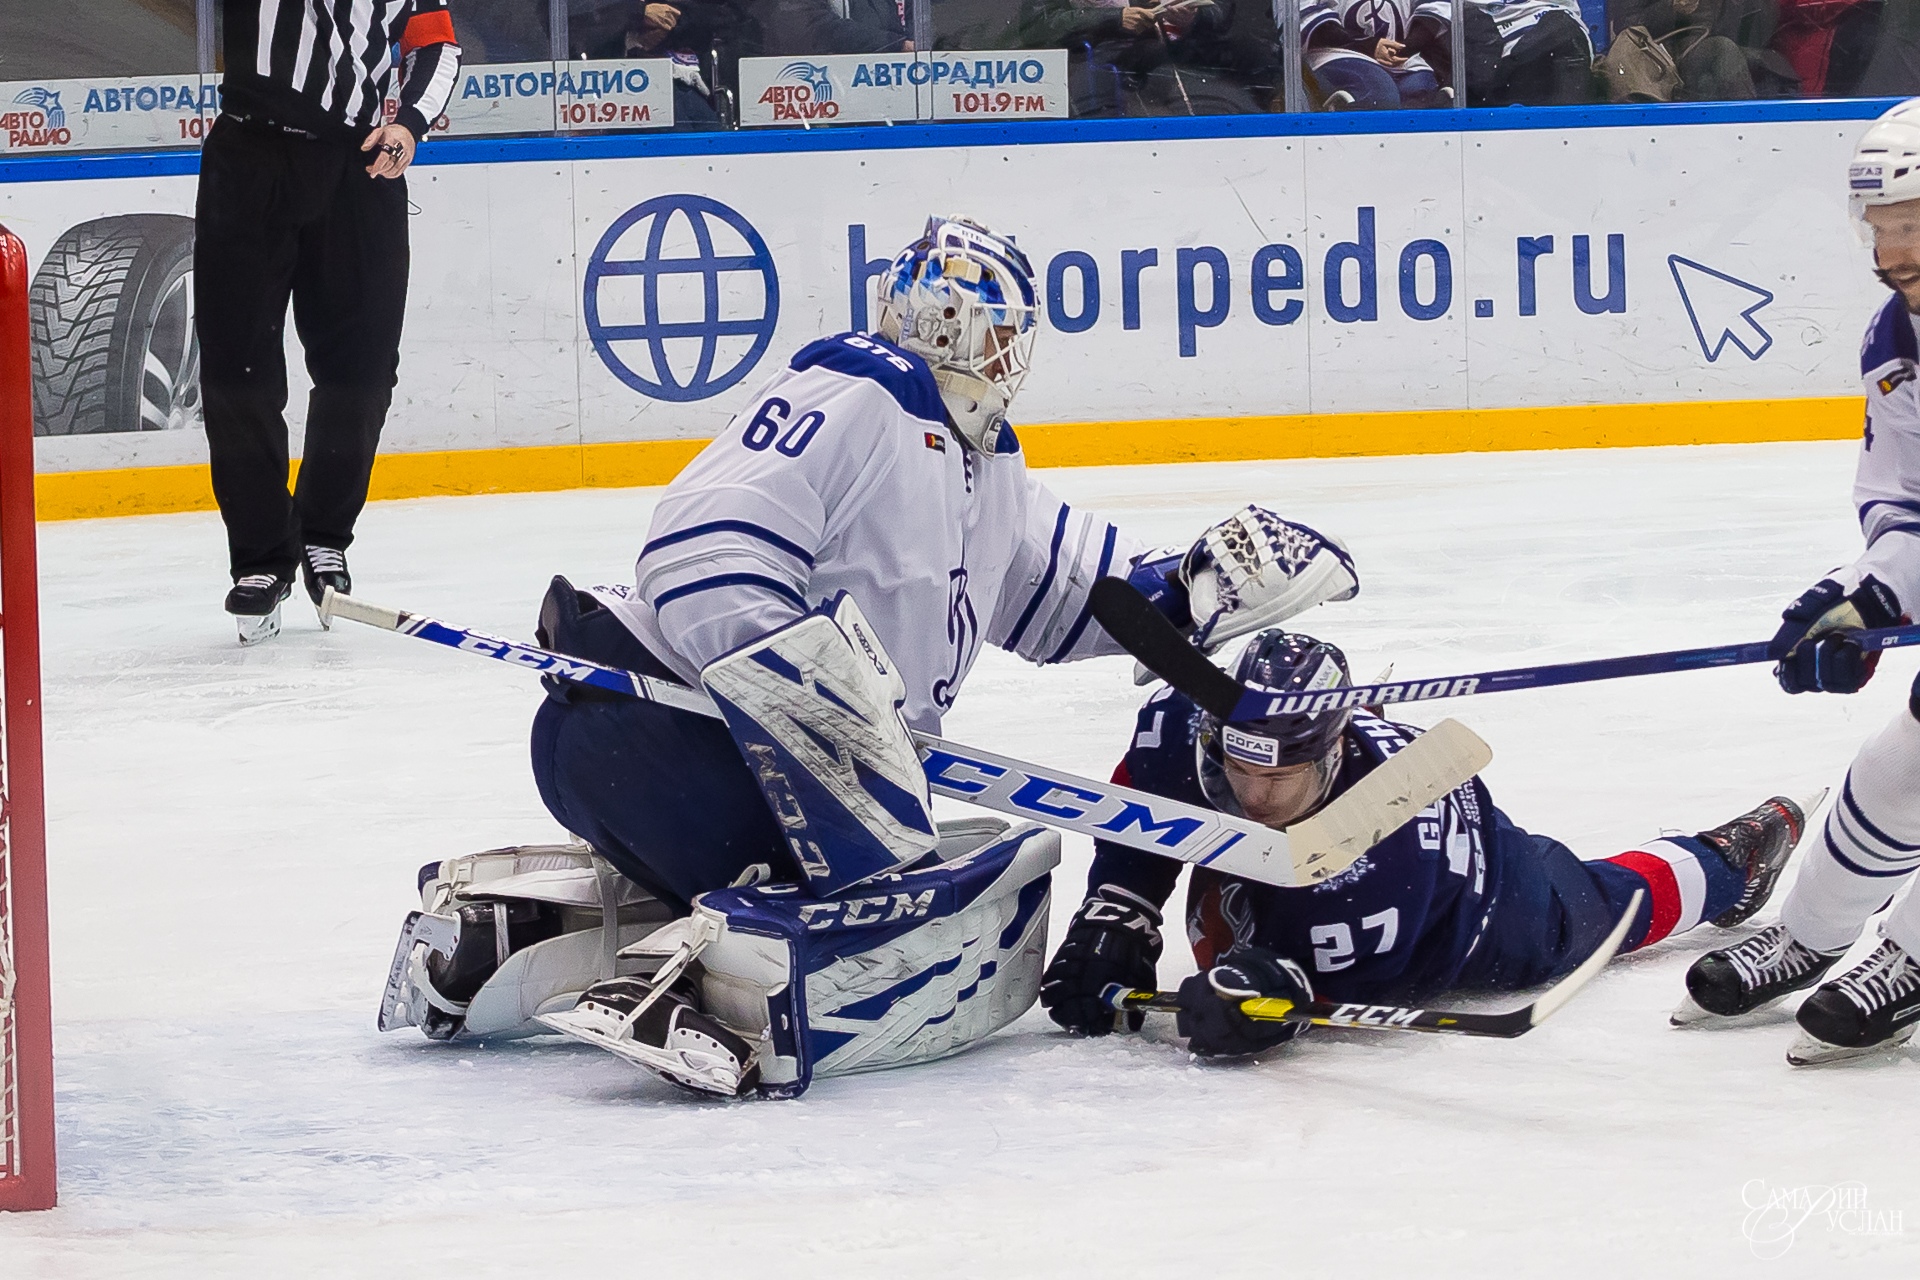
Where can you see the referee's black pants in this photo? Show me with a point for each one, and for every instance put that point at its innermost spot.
(282, 214)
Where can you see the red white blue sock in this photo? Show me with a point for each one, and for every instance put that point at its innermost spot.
(1685, 881)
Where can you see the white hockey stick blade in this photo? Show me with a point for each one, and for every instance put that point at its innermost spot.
(1550, 1000)
(334, 605)
(1436, 762)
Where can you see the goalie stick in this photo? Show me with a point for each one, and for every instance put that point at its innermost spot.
(1144, 632)
(1389, 1017)
(1304, 854)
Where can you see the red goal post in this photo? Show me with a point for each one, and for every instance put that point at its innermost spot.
(26, 1022)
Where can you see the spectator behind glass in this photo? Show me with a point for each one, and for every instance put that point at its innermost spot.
(688, 32)
(1179, 57)
(1519, 53)
(1361, 55)
(1722, 48)
(1829, 42)
(1894, 71)
(836, 26)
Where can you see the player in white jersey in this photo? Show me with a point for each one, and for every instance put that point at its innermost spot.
(828, 570)
(1872, 837)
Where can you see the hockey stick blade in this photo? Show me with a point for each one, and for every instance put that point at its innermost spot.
(1389, 1017)
(1407, 782)
(1144, 632)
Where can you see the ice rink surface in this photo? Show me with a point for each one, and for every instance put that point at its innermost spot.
(234, 836)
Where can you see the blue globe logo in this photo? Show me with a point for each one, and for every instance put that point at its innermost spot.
(681, 297)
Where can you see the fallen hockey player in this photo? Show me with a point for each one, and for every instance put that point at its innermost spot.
(1460, 899)
(1871, 843)
(827, 570)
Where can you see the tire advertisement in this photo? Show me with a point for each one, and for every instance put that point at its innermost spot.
(558, 301)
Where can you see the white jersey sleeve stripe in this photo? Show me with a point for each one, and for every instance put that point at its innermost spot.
(720, 580)
(1046, 582)
(1086, 614)
(747, 527)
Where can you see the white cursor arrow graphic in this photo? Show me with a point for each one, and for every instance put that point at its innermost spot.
(1721, 309)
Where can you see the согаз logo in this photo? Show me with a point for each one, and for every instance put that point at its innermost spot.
(681, 297)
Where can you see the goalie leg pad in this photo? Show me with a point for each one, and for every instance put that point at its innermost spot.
(910, 967)
(814, 708)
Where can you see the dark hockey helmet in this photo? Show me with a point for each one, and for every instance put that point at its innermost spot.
(1283, 662)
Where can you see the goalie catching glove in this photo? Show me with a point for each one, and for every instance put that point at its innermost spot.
(1251, 571)
(1814, 650)
(1210, 1014)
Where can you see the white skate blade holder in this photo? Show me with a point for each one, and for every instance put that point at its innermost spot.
(1807, 1051)
(254, 629)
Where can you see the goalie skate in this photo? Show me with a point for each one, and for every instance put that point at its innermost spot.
(661, 1030)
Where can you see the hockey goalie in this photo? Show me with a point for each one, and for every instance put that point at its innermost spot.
(762, 900)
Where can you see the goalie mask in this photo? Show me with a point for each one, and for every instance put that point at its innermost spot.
(1280, 769)
(962, 299)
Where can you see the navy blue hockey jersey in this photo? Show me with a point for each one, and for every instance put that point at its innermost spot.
(1396, 925)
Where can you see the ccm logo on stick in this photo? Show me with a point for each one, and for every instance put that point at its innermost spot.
(506, 651)
(1374, 1015)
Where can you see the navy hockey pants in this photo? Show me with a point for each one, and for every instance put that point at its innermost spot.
(661, 794)
(1554, 909)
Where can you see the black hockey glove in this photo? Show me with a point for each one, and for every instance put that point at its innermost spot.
(1210, 1016)
(1815, 652)
(1115, 938)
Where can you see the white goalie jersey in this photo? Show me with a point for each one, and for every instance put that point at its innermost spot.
(843, 475)
(1886, 485)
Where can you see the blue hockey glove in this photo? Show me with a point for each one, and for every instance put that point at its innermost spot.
(1210, 1014)
(1156, 575)
(1815, 652)
(1115, 937)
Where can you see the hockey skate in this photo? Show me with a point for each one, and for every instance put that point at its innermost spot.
(254, 603)
(663, 1030)
(1873, 1006)
(1759, 842)
(323, 567)
(1750, 975)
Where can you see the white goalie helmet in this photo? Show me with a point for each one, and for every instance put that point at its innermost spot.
(1885, 168)
(962, 299)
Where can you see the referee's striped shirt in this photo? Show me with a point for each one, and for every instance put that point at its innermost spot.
(327, 66)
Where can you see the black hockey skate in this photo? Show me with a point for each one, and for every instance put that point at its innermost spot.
(1750, 975)
(323, 567)
(255, 604)
(666, 1032)
(1759, 842)
(1874, 1005)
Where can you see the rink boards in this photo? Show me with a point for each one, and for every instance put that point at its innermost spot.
(587, 312)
